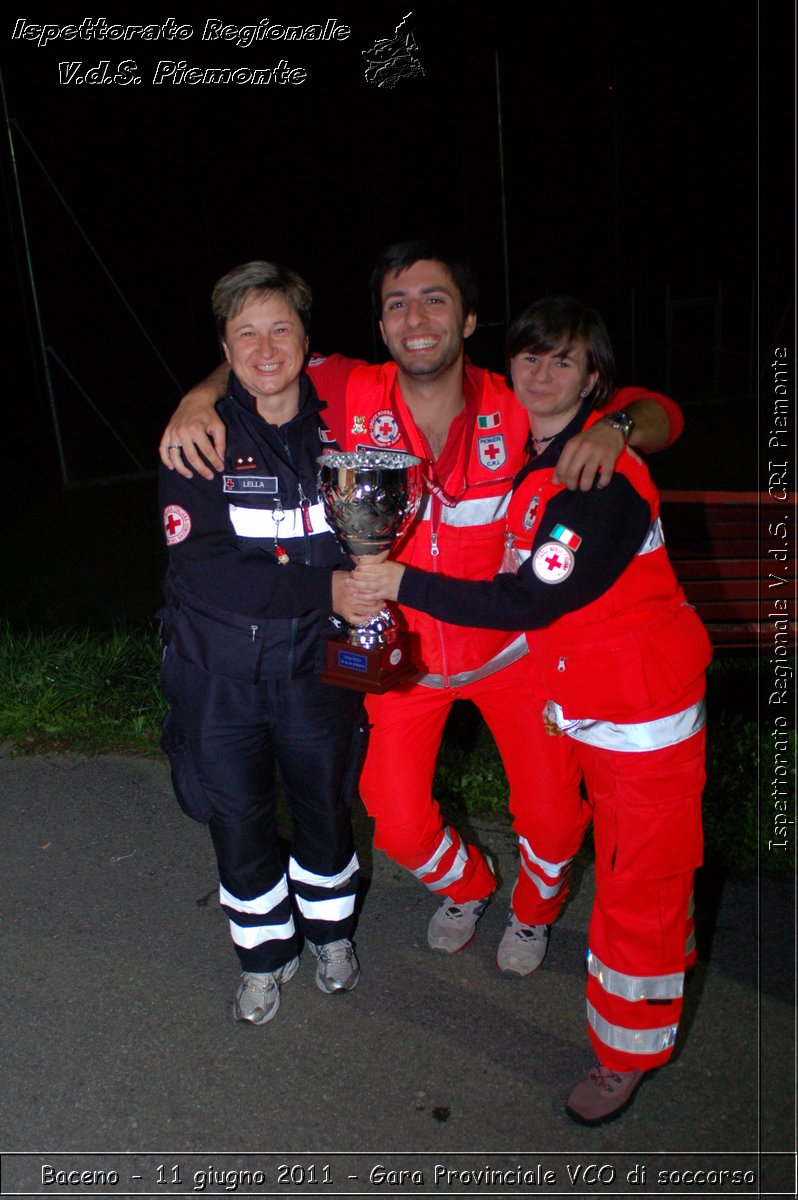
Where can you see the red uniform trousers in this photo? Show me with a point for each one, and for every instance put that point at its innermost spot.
(646, 811)
(396, 784)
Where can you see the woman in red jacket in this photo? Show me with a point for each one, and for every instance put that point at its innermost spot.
(618, 660)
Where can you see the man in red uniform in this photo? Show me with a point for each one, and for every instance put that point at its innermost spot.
(470, 433)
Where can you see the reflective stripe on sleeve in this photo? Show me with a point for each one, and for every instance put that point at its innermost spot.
(260, 522)
(689, 945)
(510, 654)
(632, 1041)
(633, 739)
(635, 987)
(300, 875)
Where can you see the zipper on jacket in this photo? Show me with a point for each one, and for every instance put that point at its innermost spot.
(436, 510)
(435, 514)
(561, 664)
(253, 630)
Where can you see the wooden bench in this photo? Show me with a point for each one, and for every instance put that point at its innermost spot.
(718, 543)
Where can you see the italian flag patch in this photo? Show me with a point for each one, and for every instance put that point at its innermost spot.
(566, 536)
(489, 420)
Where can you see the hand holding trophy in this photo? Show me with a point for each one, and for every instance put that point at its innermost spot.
(370, 498)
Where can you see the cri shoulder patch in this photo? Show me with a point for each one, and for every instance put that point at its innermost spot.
(553, 562)
(176, 524)
(492, 451)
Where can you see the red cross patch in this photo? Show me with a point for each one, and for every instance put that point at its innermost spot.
(492, 453)
(176, 524)
(553, 562)
(529, 515)
(383, 428)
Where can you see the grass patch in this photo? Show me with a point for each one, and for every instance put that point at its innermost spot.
(96, 692)
(99, 693)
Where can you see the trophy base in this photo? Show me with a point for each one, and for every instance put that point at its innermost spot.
(373, 669)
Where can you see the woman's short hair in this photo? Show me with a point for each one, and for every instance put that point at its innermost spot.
(259, 280)
(558, 323)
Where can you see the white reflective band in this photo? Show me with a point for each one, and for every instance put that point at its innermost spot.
(250, 936)
(455, 871)
(553, 870)
(691, 905)
(429, 866)
(654, 539)
(326, 910)
(635, 987)
(547, 890)
(301, 875)
(689, 945)
(633, 1041)
(510, 654)
(633, 739)
(258, 904)
(260, 522)
(468, 513)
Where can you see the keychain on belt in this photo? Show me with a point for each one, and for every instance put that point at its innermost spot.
(279, 551)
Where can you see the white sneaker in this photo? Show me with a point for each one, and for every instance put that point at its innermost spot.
(453, 926)
(522, 948)
(258, 995)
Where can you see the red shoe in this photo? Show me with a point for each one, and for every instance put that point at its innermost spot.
(603, 1095)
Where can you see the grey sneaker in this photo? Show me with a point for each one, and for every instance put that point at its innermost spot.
(453, 926)
(522, 948)
(258, 995)
(338, 969)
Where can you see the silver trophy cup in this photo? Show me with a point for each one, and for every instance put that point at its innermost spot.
(370, 498)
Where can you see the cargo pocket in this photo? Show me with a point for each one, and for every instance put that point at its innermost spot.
(651, 827)
(174, 743)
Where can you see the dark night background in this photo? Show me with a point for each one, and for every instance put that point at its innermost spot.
(630, 140)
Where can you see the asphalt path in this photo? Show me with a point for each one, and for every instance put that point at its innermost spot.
(117, 1033)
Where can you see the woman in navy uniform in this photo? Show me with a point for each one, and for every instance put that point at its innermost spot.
(254, 574)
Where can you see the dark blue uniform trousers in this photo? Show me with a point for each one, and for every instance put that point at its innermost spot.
(227, 740)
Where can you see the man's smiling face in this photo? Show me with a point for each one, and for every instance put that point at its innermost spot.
(423, 323)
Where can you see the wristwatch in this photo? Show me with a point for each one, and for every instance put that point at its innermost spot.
(621, 421)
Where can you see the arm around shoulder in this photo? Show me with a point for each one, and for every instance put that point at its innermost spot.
(658, 420)
(196, 436)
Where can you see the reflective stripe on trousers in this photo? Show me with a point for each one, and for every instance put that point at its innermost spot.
(631, 1041)
(554, 871)
(251, 935)
(639, 738)
(315, 909)
(635, 987)
(455, 870)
